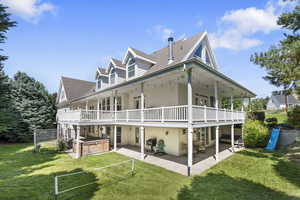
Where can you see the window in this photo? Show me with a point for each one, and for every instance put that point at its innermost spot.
(198, 52)
(119, 103)
(99, 84)
(131, 68)
(107, 103)
(137, 135)
(207, 59)
(103, 104)
(112, 76)
(119, 134)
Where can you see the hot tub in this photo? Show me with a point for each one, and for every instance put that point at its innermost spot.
(91, 146)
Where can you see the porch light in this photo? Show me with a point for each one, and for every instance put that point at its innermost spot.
(167, 132)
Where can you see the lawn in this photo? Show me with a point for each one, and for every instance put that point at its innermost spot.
(281, 116)
(249, 174)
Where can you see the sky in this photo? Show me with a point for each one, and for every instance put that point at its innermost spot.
(55, 38)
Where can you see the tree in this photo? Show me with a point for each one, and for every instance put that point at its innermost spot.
(33, 102)
(258, 104)
(6, 113)
(282, 61)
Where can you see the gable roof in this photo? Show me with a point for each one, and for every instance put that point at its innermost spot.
(75, 88)
(181, 49)
(117, 63)
(280, 99)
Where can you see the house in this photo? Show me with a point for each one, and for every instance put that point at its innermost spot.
(277, 102)
(171, 96)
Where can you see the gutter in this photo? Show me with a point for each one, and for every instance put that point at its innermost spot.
(181, 65)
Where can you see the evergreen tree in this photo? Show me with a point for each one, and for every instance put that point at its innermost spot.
(33, 102)
(6, 114)
(282, 61)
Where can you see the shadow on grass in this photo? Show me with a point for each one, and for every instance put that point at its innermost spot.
(42, 186)
(283, 165)
(16, 160)
(220, 186)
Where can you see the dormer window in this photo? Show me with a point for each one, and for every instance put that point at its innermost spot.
(112, 76)
(207, 59)
(198, 52)
(99, 83)
(131, 68)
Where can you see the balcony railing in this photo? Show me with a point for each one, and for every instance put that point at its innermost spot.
(160, 114)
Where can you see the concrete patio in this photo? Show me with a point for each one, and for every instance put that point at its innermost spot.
(202, 161)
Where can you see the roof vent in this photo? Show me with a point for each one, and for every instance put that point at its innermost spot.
(171, 49)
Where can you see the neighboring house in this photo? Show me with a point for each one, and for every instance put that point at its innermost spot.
(173, 94)
(277, 102)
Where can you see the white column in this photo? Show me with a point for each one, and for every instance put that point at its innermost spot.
(142, 129)
(216, 99)
(115, 138)
(232, 137)
(77, 141)
(217, 143)
(86, 105)
(190, 121)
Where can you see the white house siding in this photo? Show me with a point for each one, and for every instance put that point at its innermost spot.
(169, 135)
(141, 67)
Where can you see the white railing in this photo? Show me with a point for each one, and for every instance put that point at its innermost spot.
(160, 114)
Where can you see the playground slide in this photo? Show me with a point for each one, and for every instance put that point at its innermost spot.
(273, 139)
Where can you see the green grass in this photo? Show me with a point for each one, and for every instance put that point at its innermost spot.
(250, 174)
(281, 116)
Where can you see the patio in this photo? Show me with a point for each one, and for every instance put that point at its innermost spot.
(202, 161)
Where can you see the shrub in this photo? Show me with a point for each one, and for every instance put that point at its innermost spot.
(294, 117)
(256, 115)
(61, 145)
(256, 134)
(271, 122)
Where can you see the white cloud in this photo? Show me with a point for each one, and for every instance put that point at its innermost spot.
(29, 10)
(162, 31)
(239, 26)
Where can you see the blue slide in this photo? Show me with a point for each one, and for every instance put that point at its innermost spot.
(273, 139)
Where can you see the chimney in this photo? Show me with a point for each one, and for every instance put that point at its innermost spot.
(171, 49)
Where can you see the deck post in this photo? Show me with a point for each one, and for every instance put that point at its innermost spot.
(190, 121)
(115, 138)
(142, 102)
(232, 137)
(142, 129)
(77, 141)
(217, 143)
(216, 100)
(86, 105)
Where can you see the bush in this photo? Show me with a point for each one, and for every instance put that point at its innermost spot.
(256, 115)
(256, 134)
(61, 145)
(294, 117)
(271, 122)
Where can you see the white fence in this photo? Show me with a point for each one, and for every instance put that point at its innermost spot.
(160, 114)
(128, 166)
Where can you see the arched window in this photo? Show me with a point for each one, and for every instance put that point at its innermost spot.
(131, 68)
(198, 52)
(112, 76)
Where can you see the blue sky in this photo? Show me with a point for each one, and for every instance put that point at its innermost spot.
(72, 38)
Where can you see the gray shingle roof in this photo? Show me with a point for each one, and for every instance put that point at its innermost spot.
(281, 99)
(75, 88)
(118, 62)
